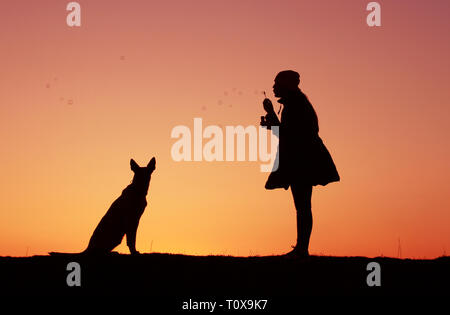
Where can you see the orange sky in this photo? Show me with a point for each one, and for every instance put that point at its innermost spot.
(77, 103)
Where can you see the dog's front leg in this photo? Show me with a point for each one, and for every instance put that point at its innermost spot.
(131, 239)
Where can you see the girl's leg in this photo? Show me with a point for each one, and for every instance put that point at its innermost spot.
(302, 200)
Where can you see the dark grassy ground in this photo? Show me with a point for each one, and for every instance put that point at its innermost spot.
(177, 277)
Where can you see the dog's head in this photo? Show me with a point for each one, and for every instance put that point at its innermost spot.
(142, 174)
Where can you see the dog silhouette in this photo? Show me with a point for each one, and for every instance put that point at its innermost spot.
(122, 218)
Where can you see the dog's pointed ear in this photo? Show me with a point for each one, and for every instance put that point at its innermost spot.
(152, 164)
(134, 165)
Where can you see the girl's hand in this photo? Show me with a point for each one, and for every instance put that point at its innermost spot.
(268, 107)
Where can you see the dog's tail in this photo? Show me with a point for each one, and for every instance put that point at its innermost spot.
(57, 254)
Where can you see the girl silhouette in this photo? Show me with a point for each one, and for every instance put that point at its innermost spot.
(303, 159)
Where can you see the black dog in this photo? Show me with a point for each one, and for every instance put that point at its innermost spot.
(123, 216)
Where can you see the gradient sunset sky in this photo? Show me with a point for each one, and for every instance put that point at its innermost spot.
(77, 103)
